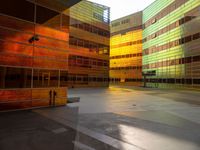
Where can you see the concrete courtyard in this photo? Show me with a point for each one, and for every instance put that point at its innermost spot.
(123, 118)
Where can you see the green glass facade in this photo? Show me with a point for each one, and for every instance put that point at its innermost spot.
(171, 49)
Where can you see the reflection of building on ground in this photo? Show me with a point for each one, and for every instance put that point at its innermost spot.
(126, 50)
(89, 45)
(171, 46)
(34, 52)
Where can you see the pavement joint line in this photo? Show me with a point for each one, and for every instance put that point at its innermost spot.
(182, 116)
(98, 136)
(82, 146)
(59, 130)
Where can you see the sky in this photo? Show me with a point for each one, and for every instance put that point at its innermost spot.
(121, 8)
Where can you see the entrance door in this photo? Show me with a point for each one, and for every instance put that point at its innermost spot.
(45, 79)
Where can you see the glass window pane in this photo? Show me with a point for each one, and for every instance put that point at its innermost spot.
(45, 78)
(15, 77)
(63, 78)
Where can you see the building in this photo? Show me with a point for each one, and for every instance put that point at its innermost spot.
(34, 36)
(89, 45)
(126, 50)
(47, 45)
(171, 49)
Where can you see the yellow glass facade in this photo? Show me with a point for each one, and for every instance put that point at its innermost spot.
(126, 50)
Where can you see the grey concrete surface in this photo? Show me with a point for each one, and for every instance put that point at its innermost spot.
(147, 118)
(124, 118)
(27, 130)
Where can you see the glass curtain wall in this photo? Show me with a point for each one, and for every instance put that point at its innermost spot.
(126, 50)
(171, 47)
(89, 45)
(34, 59)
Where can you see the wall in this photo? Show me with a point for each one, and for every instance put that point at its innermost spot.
(33, 55)
(171, 47)
(126, 50)
(89, 45)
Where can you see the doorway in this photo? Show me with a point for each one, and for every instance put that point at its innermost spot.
(46, 79)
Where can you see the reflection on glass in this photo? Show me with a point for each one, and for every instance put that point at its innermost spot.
(15, 77)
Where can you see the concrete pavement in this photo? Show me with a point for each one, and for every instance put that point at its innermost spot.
(124, 118)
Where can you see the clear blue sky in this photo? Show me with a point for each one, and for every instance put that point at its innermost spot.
(121, 8)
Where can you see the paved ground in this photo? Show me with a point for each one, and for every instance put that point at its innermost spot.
(109, 118)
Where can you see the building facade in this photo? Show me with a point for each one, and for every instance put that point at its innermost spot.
(126, 50)
(89, 45)
(171, 49)
(34, 38)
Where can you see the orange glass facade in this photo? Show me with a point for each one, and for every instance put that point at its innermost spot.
(89, 45)
(126, 50)
(34, 39)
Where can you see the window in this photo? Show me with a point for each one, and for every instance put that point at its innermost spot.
(98, 17)
(196, 36)
(85, 79)
(153, 21)
(87, 27)
(94, 30)
(177, 24)
(176, 43)
(181, 21)
(99, 79)
(45, 78)
(80, 43)
(178, 81)
(196, 58)
(153, 36)
(100, 63)
(188, 39)
(54, 78)
(11, 77)
(188, 18)
(63, 78)
(196, 81)
(115, 24)
(188, 81)
(125, 21)
(171, 80)
(182, 41)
